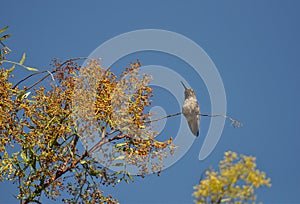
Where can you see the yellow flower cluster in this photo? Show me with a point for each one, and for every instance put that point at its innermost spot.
(233, 183)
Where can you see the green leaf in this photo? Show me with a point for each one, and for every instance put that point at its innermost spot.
(32, 101)
(5, 36)
(120, 145)
(129, 176)
(12, 68)
(126, 180)
(24, 156)
(122, 157)
(26, 95)
(5, 155)
(23, 58)
(33, 161)
(21, 94)
(3, 29)
(83, 162)
(15, 154)
(31, 69)
(17, 63)
(118, 164)
(94, 172)
(117, 173)
(119, 180)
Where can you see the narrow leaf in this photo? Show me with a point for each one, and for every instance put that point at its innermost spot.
(118, 164)
(24, 156)
(120, 158)
(120, 145)
(129, 176)
(23, 58)
(126, 180)
(3, 29)
(117, 173)
(26, 95)
(31, 69)
(94, 172)
(83, 162)
(12, 68)
(119, 180)
(20, 95)
(5, 36)
(17, 63)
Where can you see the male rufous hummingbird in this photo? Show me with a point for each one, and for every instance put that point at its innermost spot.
(191, 110)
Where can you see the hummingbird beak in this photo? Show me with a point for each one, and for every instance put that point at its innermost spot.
(183, 85)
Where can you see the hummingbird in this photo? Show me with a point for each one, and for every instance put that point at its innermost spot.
(191, 110)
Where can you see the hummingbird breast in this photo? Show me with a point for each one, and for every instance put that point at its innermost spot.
(190, 107)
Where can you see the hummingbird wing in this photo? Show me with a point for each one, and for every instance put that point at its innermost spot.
(191, 112)
(194, 125)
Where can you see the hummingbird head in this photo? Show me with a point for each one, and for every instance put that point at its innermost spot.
(188, 92)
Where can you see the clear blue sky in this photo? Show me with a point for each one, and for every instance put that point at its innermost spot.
(254, 44)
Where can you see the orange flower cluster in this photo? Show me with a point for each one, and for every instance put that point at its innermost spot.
(105, 89)
(42, 126)
(143, 147)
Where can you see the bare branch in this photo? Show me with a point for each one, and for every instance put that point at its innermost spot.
(234, 123)
(49, 73)
(39, 81)
(158, 119)
(104, 141)
(27, 78)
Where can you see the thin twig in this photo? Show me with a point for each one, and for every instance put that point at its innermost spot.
(49, 73)
(2, 44)
(28, 78)
(204, 172)
(104, 141)
(39, 81)
(112, 132)
(171, 115)
(52, 77)
(19, 64)
(234, 123)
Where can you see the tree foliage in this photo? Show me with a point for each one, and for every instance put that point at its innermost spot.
(67, 135)
(40, 135)
(235, 181)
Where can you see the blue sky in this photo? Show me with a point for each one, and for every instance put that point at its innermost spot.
(254, 44)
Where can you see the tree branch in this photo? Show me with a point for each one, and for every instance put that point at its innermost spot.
(27, 78)
(234, 123)
(168, 116)
(49, 73)
(104, 141)
(57, 175)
